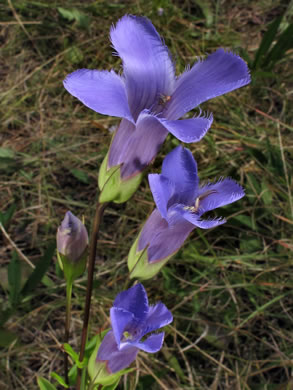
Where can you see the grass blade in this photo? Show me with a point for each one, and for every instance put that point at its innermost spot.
(266, 42)
(14, 278)
(6, 216)
(284, 43)
(40, 270)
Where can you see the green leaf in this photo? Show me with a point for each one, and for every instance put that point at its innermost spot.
(80, 175)
(5, 315)
(244, 219)
(40, 270)
(7, 159)
(75, 56)
(174, 363)
(250, 245)
(59, 379)
(7, 153)
(14, 279)
(284, 43)
(6, 337)
(72, 375)
(90, 345)
(27, 175)
(266, 194)
(6, 217)
(75, 15)
(74, 356)
(44, 384)
(205, 7)
(266, 42)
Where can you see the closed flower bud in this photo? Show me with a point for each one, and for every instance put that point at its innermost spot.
(72, 238)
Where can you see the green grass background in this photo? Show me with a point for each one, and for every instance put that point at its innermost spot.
(229, 288)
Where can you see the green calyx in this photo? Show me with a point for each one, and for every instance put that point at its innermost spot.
(97, 370)
(112, 187)
(72, 269)
(139, 266)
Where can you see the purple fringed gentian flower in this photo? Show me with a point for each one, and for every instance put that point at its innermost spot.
(180, 202)
(148, 95)
(132, 319)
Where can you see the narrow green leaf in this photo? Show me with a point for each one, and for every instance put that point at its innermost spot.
(14, 278)
(74, 356)
(266, 193)
(72, 375)
(40, 270)
(59, 379)
(207, 11)
(71, 352)
(5, 315)
(44, 384)
(90, 345)
(244, 219)
(266, 42)
(80, 175)
(6, 337)
(6, 217)
(261, 309)
(284, 43)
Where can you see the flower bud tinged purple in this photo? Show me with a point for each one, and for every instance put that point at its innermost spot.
(72, 237)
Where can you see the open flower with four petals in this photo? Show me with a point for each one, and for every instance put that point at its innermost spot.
(181, 203)
(132, 320)
(149, 97)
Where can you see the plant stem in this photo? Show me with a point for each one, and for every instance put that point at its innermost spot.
(91, 266)
(67, 326)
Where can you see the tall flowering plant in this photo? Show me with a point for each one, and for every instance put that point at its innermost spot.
(150, 99)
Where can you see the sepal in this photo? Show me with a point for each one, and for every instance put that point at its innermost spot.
(72, 270)
(139, 266)
(112, 187)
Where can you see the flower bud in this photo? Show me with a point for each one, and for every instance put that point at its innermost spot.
(72, 237)
(114, 188)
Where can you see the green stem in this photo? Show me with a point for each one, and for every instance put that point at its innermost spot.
(91, 266)
(67, 326)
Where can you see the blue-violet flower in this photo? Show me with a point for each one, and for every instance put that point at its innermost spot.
(132, 318)
(180, 202)
(149, 97)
